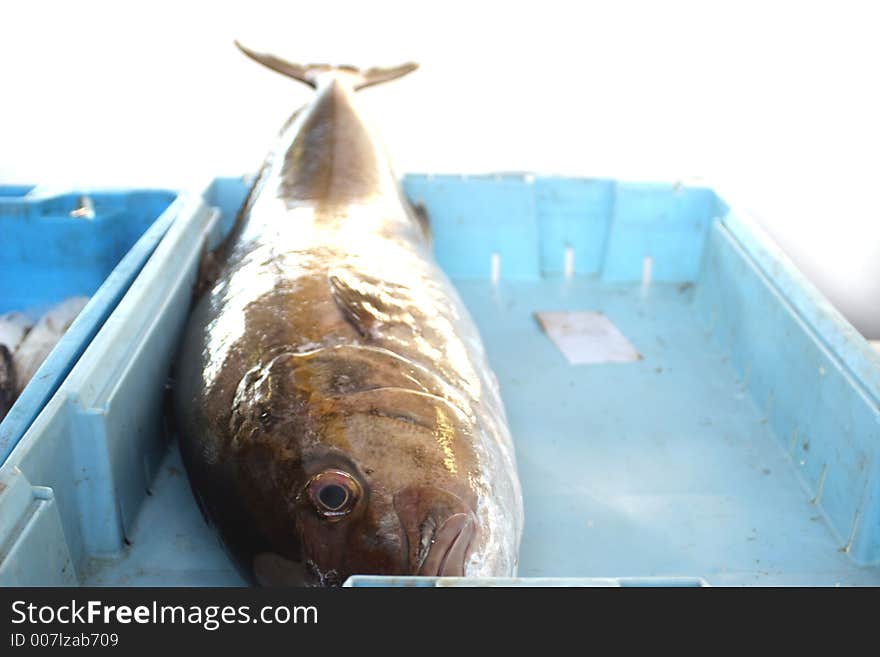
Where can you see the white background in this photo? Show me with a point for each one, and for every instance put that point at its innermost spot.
(775, 102)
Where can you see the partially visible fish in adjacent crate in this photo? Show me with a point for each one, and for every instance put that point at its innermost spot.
(24, 345)
(43, 337)
(336, 410)
(7, 380)
(14, 327)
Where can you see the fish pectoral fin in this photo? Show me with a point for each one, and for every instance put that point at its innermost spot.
(359, 308)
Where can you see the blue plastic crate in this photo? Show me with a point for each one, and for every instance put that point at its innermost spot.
(743, 448)
(48, 255)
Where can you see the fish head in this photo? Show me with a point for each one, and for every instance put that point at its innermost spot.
(361, 470)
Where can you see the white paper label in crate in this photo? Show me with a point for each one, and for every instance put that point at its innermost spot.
(587, 337)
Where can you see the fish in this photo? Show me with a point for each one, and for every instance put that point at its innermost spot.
(42, 338)
(334, 405)
(14, 326)
(7, 380)
(24, 345)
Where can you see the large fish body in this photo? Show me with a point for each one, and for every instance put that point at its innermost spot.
(336, 411)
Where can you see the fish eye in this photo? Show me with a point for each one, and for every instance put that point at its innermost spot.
(334, 493)
(333, 496)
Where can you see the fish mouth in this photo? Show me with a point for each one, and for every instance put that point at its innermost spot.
(449, 547)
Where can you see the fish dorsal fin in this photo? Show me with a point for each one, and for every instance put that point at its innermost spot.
(309, 73)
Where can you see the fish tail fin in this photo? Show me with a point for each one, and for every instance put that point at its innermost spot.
(309, 73)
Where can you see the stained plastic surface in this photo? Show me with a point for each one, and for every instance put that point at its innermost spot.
(743, 448)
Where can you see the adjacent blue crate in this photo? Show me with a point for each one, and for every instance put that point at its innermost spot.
(13, 191)
(47, 255)
(744, 448)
